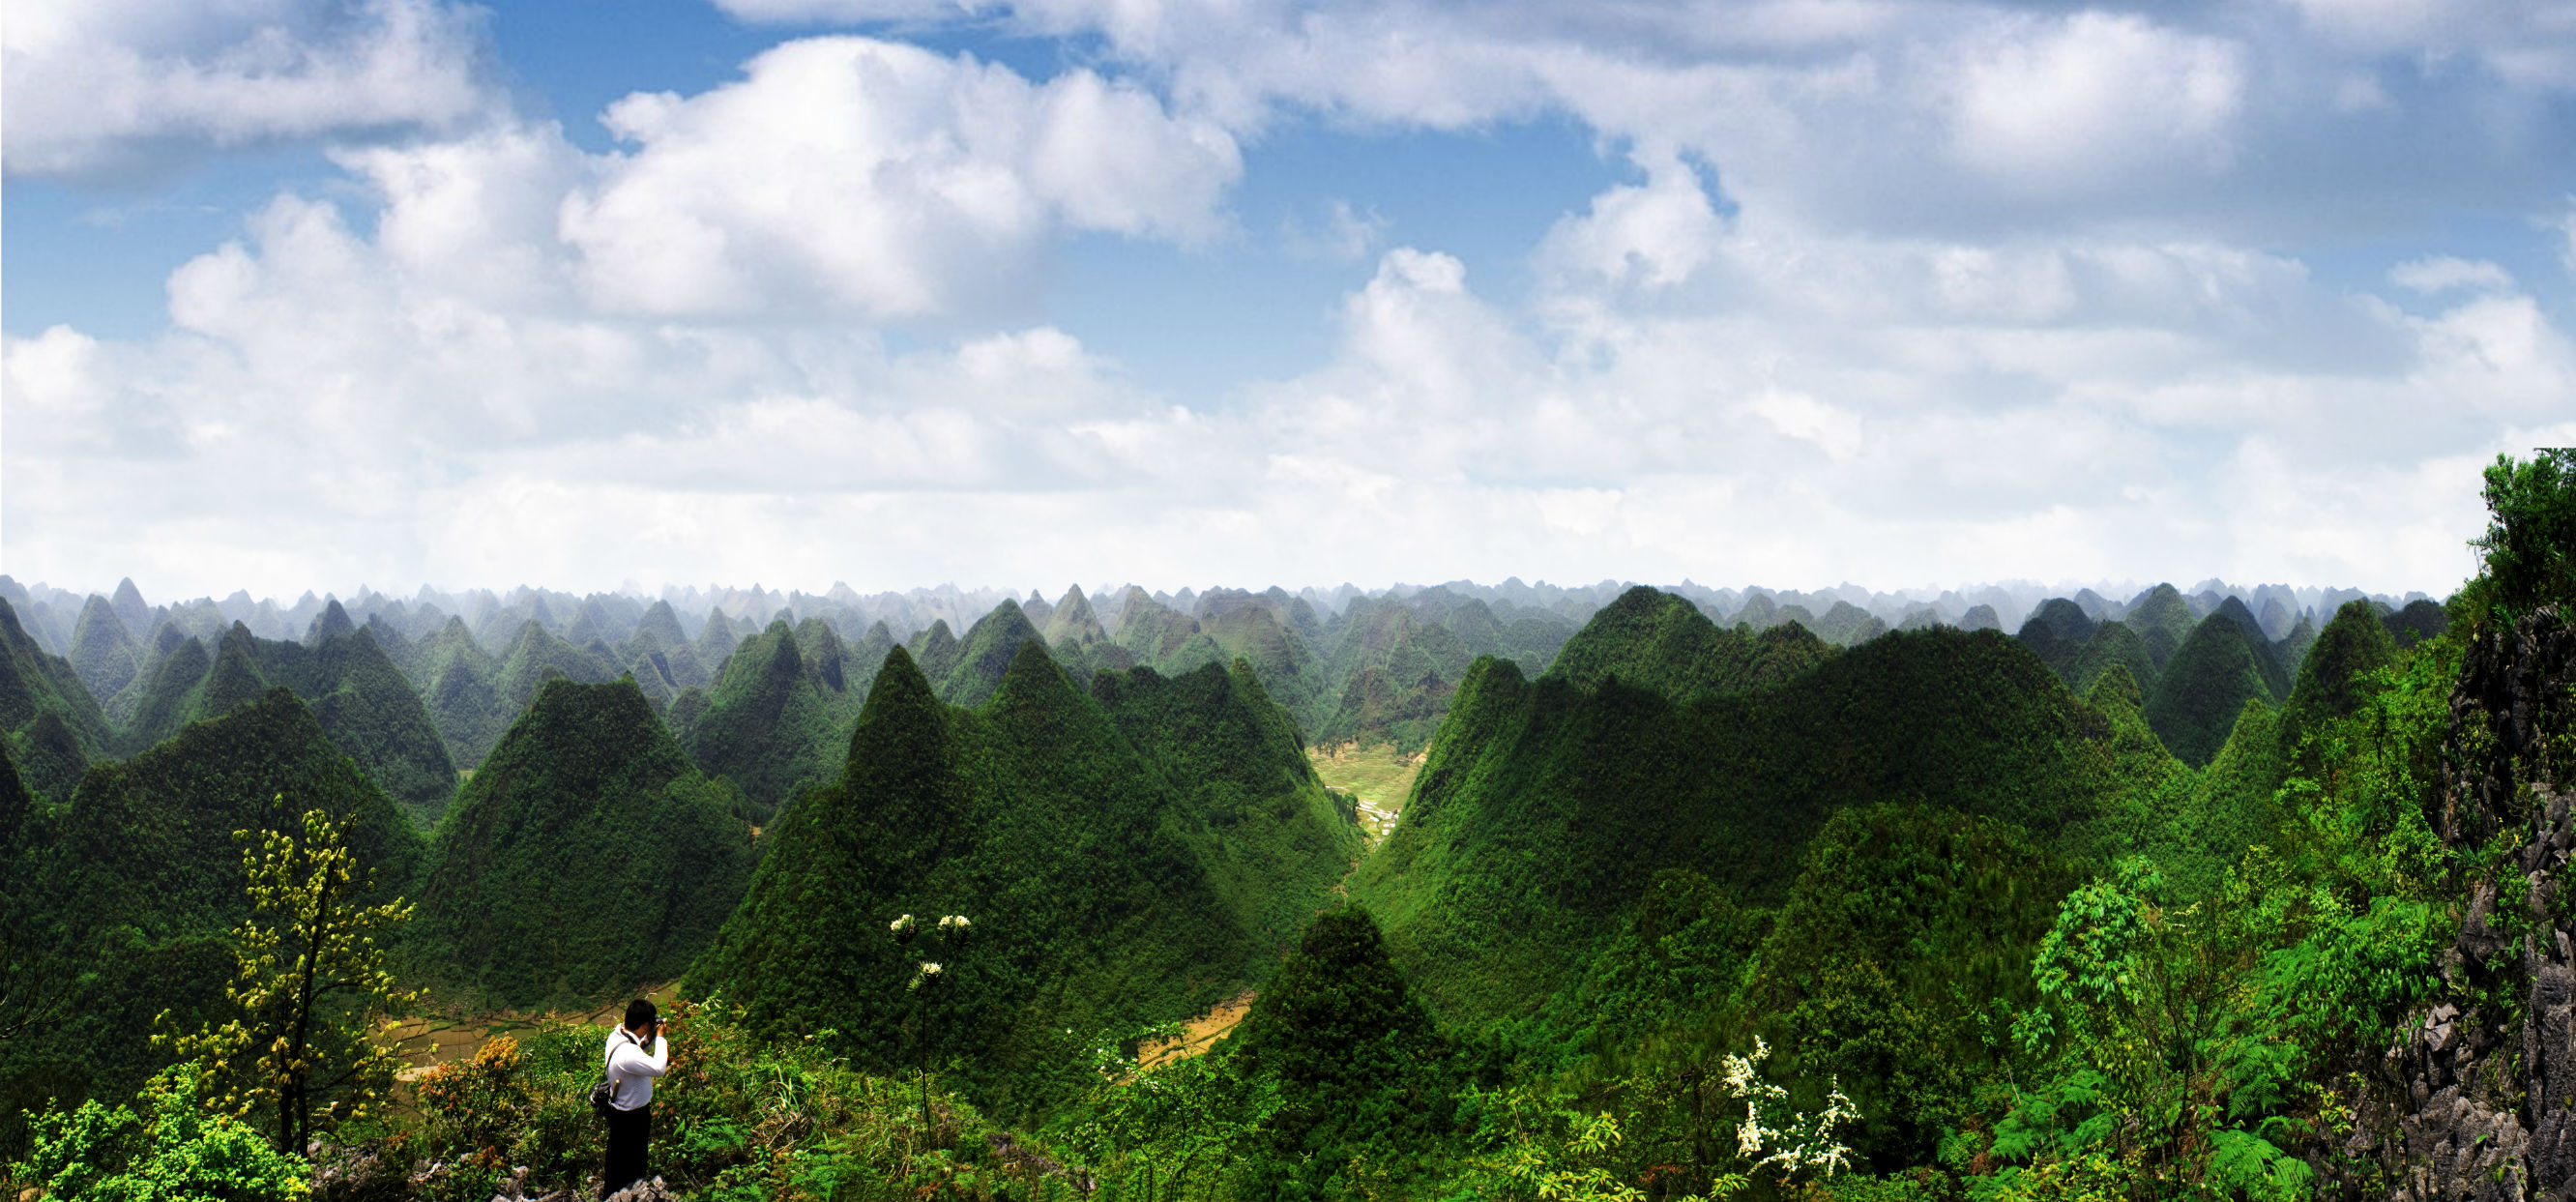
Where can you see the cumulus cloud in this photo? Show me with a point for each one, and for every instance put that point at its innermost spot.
(326, 413)
(1891, 292)
(1945, 119)
(2095, 101)
(881, 179)
(2447, 273)
(106, 87)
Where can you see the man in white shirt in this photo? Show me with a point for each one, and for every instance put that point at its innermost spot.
(636, 1053)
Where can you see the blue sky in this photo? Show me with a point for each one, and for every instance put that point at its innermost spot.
(308, 293)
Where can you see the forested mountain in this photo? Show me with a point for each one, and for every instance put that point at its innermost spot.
(586, 856)
(1547, 807)
(770, 725)
(53, 724)
(362, 700)
(2221, 666)
(1272, 839)
(138, 881)
(1085, 869)
(1656, 641)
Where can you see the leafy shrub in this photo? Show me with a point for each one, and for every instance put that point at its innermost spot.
(169, 1147)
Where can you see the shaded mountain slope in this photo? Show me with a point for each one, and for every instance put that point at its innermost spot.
(142, 878)
(1662, 643)
(1273, 839)
(2204, 687)
(1546, 807)
(363, 701)
(37, 684)
(586, 856)
(1037, 817)
(767, 725)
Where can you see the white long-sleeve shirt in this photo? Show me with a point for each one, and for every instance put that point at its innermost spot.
(631, 1071)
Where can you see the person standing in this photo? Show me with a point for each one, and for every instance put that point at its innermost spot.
(637, 1053)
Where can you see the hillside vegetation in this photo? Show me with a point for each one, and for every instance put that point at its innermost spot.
(586, 856)
(1101, 893)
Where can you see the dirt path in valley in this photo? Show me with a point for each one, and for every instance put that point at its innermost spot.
(430, 1041)
(1198, 1034)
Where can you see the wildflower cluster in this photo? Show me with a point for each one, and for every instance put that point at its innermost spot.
(1774, 1133)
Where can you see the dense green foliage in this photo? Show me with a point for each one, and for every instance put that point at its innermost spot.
(360, 696)
(1546, 808)
(1656, 641)
(2130, 905)
(2348, 653)
(1273, 840)
(768, 726)
(138, 883)
(35, 685)
(2530, 540)
(586, 856)
(2218, 669)
(170, 1146)
(1355, 1060)
(1038, 818)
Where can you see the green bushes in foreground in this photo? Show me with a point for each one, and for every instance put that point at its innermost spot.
(737, 1120)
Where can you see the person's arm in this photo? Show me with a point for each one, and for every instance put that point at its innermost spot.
(634, 1061)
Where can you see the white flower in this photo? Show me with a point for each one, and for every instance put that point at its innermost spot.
(929, 969)
(900, 925)
(955, 922)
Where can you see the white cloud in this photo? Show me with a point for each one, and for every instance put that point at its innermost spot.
(1970, 305)
(2434, 274)
(2095, 101)
(105, 87)
(326, 413)
(2249, 122)
(879, 179)
(1655, 234)
(2529, 43)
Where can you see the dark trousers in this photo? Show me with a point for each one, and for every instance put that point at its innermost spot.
(629, 1131)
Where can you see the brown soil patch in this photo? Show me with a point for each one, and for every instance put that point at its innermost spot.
(429, 1041)
(1198, 1034)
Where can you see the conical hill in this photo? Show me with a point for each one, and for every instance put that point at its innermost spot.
(1657, 641)
(1073, 622)
(2336, 677)
(1544, 808)
(2162, 620)
(459, 681)
(536, 655)
(985, 654)
(1274, 840)
(766, 725)
(2114, 644)
(103, 652)
(361, 699)
(34, 681)
(586, 856)
(2202, 689)
(1038, 818)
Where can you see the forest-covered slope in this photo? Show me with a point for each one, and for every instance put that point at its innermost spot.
(1273, 840)
(586, 856)
(1547, 807)
(138, 882)
(769, 725)
(1038, 818)
(360, 696)
(53, 724)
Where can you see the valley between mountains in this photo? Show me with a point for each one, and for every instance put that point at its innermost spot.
(1459, 892)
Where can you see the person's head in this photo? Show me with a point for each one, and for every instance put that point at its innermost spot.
(641, 1015)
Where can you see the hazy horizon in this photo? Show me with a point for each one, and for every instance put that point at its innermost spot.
(349, 290)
